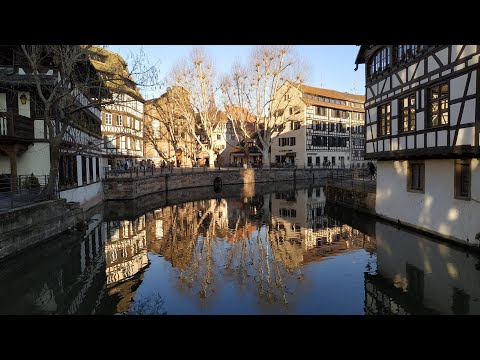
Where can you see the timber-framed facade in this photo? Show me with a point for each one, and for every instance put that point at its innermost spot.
(423, 127)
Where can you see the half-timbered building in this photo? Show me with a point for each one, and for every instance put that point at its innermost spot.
(422, 119)
(25, 146)
(321, 127)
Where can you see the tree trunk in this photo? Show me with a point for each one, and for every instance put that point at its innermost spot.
(211, 158)
(49, 189)
(266, 158)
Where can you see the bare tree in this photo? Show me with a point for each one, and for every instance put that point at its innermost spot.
(265, 88)
(166, 125)
(70, 88)
(197, 76)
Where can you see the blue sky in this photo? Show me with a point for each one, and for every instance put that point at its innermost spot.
(331, 66)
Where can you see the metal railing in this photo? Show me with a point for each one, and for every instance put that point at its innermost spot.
(22, 190)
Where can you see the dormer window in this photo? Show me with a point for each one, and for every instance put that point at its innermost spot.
(379, 61)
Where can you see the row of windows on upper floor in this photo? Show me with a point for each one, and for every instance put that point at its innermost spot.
(333, 101)
(384, 58)
(130, 122)
(342, 114)
(318, 125)
(437, 111)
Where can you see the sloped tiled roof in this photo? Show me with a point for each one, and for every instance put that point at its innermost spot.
(114, 65)
(332, 94)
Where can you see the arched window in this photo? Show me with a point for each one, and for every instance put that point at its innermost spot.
(379, 61)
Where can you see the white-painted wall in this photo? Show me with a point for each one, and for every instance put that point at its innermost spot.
(35, 160)
(84, 194)
(436, 209)
(444, 267)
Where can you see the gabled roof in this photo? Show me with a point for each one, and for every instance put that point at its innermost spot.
(111, 64)
(361, 55)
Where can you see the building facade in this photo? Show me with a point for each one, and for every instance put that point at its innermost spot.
(323, 128)
(167, 135)
(25, 147)
(122, 119)
(423, 129)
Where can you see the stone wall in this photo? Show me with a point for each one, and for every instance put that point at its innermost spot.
(132, 188)
(357, 199)
(131, 209)
(27, 226)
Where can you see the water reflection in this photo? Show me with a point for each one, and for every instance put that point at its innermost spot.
(420, 276)
(285, 252)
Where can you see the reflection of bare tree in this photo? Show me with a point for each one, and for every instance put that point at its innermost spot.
(149, 305)
(244, 241)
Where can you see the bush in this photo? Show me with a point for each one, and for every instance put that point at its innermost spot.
(31, 182)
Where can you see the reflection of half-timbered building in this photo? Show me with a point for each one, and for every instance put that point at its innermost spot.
(303, 228)
(423, 128)
(439, 279)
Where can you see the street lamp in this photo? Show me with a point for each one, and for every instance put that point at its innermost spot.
(23, 99)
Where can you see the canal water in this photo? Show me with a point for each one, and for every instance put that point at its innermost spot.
(271, 250)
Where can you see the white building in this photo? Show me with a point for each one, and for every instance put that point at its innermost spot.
(423, 128)
(320, 128)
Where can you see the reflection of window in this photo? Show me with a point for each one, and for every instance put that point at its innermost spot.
(462, 179)
(415, 281)
(407, 114)
(460, 302)
(438, 105)
(416, 176)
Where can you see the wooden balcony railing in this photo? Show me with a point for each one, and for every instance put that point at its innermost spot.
(16, 126)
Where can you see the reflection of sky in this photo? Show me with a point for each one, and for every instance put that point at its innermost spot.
(332, 286)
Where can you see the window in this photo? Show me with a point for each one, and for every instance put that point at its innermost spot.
(416, 176)
(321, 111)
(219, 137)
(294, 125)
(317, 160)
(404, 52)
(110, 141)
(336, 113)
(90, 169)
(119, 120)
(232, 137)
(290, 110)
(383, 126)
(292, 141)
(67, 171)
(97, 167)
(129, 121)
(122, 142)
(407, 114)
(379, 61)
(84, 170)
(333, 160)
(463, 178)
(309, 161)
(108, 119)
(128, 143)
(438, 104)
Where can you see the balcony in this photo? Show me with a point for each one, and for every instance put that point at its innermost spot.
(15, 128)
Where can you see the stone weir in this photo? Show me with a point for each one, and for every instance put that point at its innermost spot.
(132, 188)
